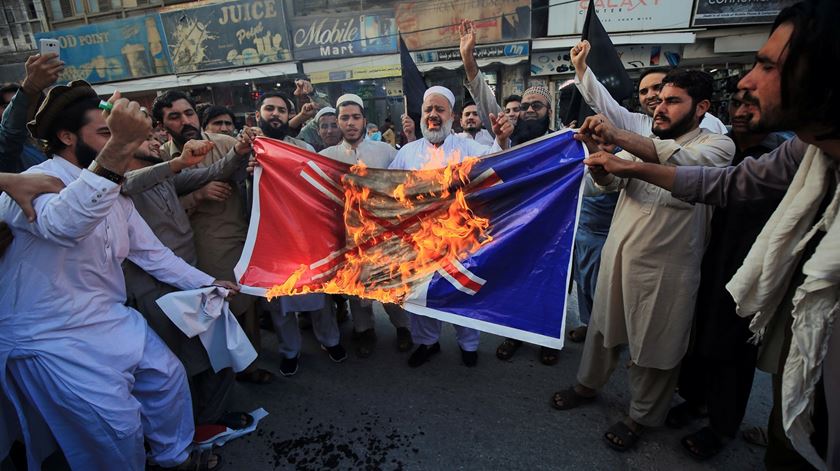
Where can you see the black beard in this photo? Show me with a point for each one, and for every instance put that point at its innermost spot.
(677, 129)
(180, 139)
(85, 154)
(272, 132)
(528, 129)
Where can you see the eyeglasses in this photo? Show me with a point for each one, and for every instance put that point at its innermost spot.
(535, 105)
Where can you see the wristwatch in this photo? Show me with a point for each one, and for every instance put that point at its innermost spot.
(103, 172)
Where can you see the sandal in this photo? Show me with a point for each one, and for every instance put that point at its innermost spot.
(549, 356)
(756, 436)
(236, 420)
(683, 414)
(578, 334)
(508, 349)
(197, 461)
(569, 399)
(703, 444)
(621, 437)
(256, 376)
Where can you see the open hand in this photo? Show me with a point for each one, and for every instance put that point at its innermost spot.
(25, 187)
(466, 30)
(502, 128)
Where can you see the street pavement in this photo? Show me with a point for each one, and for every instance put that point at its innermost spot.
(377, 413)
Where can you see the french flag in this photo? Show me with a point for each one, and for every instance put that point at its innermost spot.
(514, 285)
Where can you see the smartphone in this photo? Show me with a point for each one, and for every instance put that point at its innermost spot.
(49, 45)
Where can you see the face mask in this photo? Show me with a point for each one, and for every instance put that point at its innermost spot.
(377, 136)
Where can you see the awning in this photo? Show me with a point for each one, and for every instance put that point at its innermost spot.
(682, 37)
(353, 68)
(454, 65)
(199, 78)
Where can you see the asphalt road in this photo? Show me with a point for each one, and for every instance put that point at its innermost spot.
(377, 413)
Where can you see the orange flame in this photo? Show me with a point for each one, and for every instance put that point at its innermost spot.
(400, 229)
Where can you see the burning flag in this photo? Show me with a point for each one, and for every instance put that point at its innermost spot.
(484, 243)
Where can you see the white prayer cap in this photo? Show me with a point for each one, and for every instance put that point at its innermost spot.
(323, 111)
(351, 98)
(437, 89)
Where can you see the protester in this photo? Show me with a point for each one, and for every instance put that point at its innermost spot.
(597, 208)
(153, 186)
(471, 125)
(717, 373)
(160, 133)
(513, 107)
(650, 267)
(17, 152)
(485, 102)
(438, 148)
(121, 385)
(788, 281)
(373, 132)
(355, 148)
(217, 211)
(219, 120)
(273, 120)
(328, 129)
(302, 124)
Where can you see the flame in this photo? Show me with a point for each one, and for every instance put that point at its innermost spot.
(401, 227)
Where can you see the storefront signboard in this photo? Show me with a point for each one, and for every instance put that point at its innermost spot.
(519, 49)
(113, 50)
(316, 37)
(434, 24)
(633, 57)
(719, 12)
(566, 18)
(207, 36)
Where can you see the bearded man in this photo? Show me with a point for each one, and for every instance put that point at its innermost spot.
(217, 211)
(273, 116)
(438, 148)
(650, 270)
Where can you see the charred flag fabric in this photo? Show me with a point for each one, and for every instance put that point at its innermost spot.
(317, 222)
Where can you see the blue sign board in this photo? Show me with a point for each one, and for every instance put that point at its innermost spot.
(114, 50)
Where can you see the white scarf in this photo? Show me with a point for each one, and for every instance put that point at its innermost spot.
(761, 283)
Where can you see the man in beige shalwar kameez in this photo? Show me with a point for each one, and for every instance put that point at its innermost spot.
(650, 264)
(217, 211)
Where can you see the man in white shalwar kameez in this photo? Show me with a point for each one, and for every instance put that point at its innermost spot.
(439, 148)
(650, 265)
(352, 149)
(73, 357)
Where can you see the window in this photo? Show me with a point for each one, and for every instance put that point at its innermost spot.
(5, 41)
(33, 12)
(62, 9)
(10, 16)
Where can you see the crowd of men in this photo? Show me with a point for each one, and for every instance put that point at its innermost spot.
(705, 251)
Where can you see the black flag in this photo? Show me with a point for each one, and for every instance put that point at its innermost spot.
(605, 64)
(413, 85)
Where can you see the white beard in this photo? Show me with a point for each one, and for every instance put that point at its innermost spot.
(436, 137)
